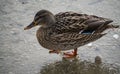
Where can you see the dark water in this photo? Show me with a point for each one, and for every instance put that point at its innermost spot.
(76, 66)
(20, 52)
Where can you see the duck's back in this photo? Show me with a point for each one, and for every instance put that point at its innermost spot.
(75, 22)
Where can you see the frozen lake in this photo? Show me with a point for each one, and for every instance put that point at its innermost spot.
(20, 52)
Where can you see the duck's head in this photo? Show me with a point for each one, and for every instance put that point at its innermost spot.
(43, 18)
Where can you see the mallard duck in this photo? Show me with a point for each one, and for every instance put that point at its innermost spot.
(68, 30)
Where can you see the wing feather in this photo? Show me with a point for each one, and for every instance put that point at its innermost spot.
(75, 22)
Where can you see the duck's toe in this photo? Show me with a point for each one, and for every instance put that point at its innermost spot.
(54, 51)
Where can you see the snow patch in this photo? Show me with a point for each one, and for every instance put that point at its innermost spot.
(116, 36)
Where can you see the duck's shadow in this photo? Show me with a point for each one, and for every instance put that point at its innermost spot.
(79, 67)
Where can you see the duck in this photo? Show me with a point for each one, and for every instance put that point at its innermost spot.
(68, 30)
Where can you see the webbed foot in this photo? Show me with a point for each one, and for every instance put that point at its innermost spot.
(72, 54)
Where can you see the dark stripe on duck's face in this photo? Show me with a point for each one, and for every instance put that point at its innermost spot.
(36, 18)
(38, 21)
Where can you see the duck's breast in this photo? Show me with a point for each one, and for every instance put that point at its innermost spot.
(44, 38)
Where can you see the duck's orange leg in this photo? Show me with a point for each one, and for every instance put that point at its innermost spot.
(54, 51)
(70, 54)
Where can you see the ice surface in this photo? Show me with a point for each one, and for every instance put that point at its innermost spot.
(90, 44)
(116, 36)
(20, 52)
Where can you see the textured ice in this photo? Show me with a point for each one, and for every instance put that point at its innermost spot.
(116, 36)
(20, 52)
(90, 44)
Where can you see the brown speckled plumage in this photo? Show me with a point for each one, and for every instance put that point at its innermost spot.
(69, 30)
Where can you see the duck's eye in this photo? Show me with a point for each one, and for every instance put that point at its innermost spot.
(37, 17)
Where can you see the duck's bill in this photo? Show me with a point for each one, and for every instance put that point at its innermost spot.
(29, 26)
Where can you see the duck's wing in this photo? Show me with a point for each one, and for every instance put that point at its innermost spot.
(69, 22)
(75, 22)
(75, 38)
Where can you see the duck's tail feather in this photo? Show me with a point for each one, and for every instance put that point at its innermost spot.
(113, 26)
(105, 27)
